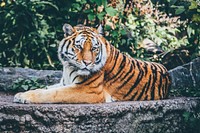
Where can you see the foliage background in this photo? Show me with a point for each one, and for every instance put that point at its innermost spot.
(31, 29)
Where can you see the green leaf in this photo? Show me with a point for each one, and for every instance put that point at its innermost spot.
(25, 87)
(77, 6)
(123, 42)
(107, 27)
(101, 15)
(33, 88)
(88, 11)
(186, 116)
(172, 2)
(180, 10)
(111, 11)
(193, 5)
(190, 31)
(91, 16)
(104, 2)
(98, 2)
(34, 79)
(92, 1)
(196, 18)
(114, 34)
(82, 1)
(123, 32)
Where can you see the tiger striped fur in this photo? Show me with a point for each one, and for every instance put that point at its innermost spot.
(94, 71)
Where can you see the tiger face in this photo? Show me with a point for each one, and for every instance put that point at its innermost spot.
(82, 49)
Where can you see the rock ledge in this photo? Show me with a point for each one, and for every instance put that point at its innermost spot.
(162, 116)
(175, 115)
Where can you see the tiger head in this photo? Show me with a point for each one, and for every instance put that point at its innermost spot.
(83, 48)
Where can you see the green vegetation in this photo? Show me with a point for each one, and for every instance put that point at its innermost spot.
(26, 84)
(32, 29)
(192, 120)
(188, 92)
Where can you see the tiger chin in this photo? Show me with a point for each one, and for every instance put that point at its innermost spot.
(94, 71)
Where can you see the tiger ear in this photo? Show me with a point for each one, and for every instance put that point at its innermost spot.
(68, 29)
(100, 29)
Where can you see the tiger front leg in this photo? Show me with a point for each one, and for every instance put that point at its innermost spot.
(63, 94)
(32, 96)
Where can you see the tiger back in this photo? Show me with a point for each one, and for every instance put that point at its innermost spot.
(94, 71)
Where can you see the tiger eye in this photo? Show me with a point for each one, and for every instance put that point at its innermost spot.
(95, 49)
(78, 47)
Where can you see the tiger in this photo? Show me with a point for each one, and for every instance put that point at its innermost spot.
(94, 71)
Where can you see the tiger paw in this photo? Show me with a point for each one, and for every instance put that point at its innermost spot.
(26, 97)
(21, 98)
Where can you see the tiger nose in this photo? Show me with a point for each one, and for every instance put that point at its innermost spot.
(87, 62)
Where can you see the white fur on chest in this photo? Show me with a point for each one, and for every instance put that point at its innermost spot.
(69, 76)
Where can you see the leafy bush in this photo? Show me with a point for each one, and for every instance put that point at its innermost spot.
(188, 11)
(187, 92)
(192, 120)
(32, 29)
(26, 84)
(26, 38)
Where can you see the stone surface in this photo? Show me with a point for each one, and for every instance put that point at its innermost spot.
(186, 76)
(8, 75)
(162, 116)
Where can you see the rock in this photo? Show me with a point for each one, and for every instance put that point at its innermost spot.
(162, 116)
(8, 75)
(186, 76)
(174, 115)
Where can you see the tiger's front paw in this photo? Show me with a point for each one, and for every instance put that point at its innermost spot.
(26, 97)
(21, 98)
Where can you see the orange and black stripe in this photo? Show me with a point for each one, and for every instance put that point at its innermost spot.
(124, 78)
(136, 80)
